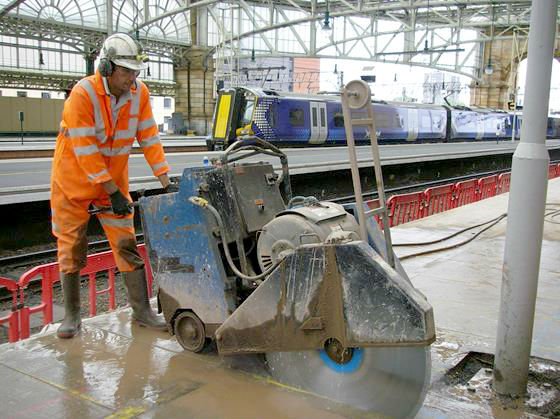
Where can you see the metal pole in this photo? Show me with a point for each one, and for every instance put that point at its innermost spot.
(526, 211)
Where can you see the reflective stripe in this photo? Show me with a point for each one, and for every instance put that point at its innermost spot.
(127, 133)
(96, 175)
(135, 99)
(117, 222)
(86, 150)
(99, 123)
(155, 167)
(115, 151)
(146, 142)
(148, 123)
(81, 132)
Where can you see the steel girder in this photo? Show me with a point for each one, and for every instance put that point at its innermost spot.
(395, 31)
(28, 79)
(402, 32)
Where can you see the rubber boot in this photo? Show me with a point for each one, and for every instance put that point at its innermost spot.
(72, 320)
(135, 283)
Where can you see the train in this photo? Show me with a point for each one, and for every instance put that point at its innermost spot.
(293, 119)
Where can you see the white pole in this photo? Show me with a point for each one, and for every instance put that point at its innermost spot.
(526, 211)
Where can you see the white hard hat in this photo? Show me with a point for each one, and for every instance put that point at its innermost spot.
(124, 51)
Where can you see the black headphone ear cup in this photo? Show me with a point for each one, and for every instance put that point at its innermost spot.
(105, 67)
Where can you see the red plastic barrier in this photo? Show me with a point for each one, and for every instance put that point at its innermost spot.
(374, 204)
(405, 208)
(465, 192)
(438, 199)
(11, 319)
(504, 180)
(100, 262)
(49, 275)
(552, 171)
(487, 187)
(149, 273)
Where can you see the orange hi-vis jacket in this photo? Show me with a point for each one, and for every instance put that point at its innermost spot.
(91, 148)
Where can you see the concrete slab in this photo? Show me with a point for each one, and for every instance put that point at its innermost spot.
(115, 369)
(463, 284)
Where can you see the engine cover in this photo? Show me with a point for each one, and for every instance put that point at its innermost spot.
(320, 222)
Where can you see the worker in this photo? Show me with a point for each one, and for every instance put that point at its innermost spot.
(102, 116)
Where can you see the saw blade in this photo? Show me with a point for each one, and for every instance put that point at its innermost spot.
(391, 381)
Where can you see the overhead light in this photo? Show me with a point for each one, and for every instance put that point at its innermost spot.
(326, 25)
(489, 69)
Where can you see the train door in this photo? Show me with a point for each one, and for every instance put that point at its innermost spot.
(318, 122)
(412, 128)
(480, 120)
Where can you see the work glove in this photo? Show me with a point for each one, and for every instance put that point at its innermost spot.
(172, 187)
(119, 203)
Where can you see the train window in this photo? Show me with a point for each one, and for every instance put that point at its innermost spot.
(338, 120)
(297, 118)
(314, 116)
(323, 121)
(248, 113)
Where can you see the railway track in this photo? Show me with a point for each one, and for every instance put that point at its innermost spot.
(15, 263)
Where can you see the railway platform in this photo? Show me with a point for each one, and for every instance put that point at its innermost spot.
(117, 370)
(34, 147)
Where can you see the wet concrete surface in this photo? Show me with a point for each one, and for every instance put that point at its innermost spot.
(118, 370)
(463, 286)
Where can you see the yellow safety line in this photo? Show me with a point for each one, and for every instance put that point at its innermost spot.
(75, 393)
(126, 413)
(273, 382)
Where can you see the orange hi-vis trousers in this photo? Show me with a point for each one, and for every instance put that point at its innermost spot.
(69, 225)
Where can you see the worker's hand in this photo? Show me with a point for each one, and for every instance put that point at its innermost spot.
(172, 187)
(119, 203)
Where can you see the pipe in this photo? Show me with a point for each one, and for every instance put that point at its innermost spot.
(204, 100)
(203, 203)
(526, 212)
(189, 93)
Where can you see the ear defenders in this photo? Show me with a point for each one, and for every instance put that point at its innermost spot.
(105, 66)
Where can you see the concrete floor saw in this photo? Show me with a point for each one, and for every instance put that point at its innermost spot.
(240, 262)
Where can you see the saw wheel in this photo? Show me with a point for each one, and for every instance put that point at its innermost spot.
(392, 381)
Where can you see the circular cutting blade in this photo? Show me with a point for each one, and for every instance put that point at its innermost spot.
(389, 381)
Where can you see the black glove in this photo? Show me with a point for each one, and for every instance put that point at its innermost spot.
(119, 203)
(172, 187)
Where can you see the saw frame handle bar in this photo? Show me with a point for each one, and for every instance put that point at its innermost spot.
(99, 210)
(261, 147)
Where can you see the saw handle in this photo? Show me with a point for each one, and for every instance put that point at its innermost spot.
(99, 210)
